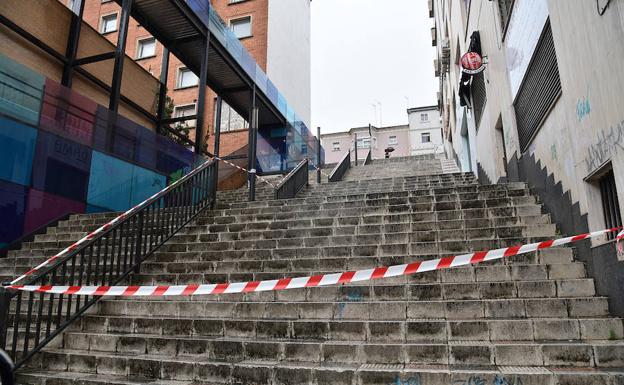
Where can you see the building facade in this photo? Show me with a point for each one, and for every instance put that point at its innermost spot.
(546, 109)
(425, 130)
(376, 138)
(264, 27)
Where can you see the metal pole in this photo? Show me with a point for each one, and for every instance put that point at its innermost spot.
(356, 158)
(72, 45)
(217, 144)
(318, 155)
(201, 98)
(5, 303)
(253, 132)
(162, 91)
(120, 54)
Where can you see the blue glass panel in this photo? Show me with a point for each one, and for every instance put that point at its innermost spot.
(218, 28)
(272, 92)
(249, 64)
(290, 115)
(95, 209)
(110, 184)
(200, 7)
(281, 104)
(12, 210)
(115, 134)
(44, 208)
(234, 46)
(17, 147)
(172, 157)
(261, 79)
(67, 113)
(145, 183)
(21, 91)
(61, 167)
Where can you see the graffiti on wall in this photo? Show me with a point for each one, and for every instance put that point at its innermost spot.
(583, 108)
(610, 141)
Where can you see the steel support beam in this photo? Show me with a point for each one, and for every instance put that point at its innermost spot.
(72, 45)
(318, 156)
(120, 55)
(94, 59)
(253, 133)
(201, 98)
(217, 145)
(162, 91)
(356, 158)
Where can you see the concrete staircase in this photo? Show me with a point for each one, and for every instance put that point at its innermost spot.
(533, 319)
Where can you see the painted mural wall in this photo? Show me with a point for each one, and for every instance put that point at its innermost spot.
(62, 153)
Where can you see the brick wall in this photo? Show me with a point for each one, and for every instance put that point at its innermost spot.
(256, 45)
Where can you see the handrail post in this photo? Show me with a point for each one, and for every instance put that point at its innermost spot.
(356, 148)
(217, 145)
(6, 369)
(252, 140)
(5, 303)
(139, 243)
(318, 156)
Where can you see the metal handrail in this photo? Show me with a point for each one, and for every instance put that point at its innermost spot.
(341, 168)
(6, 369)
(105, 259)
(293, 182)
(369, 157)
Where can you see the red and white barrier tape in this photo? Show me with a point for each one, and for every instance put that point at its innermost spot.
(314, 281)
(92, 234)
(244, 170)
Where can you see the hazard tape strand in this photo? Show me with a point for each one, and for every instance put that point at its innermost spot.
(317, 280)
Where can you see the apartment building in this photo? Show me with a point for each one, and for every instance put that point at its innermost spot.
(531, 90)
(425, 130)
(276, 33)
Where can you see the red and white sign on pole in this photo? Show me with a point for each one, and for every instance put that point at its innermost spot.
(472, 63)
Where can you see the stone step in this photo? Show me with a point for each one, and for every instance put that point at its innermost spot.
(354, 308)
(602, 354)
(406, 330)
(272, 373)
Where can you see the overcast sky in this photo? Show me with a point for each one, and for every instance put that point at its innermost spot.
(369, 51)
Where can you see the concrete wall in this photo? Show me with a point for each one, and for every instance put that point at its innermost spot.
(345, 141)
(432, 126)
(288, 55)
(402, 148)
(583, 131)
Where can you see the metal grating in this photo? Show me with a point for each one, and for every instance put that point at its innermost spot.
(540, 89)
(479, 97)
(610, 202)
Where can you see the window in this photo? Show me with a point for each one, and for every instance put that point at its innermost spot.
(540, 89)
(146, 48)
(230, 119)
(610, 203)
(241, 27)
(74, 5)
(186, 78)
(108, 23)
(181, 111)
(336, 146)
(425, 138)
(392, 140)
(363, 143)
(424, 117)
